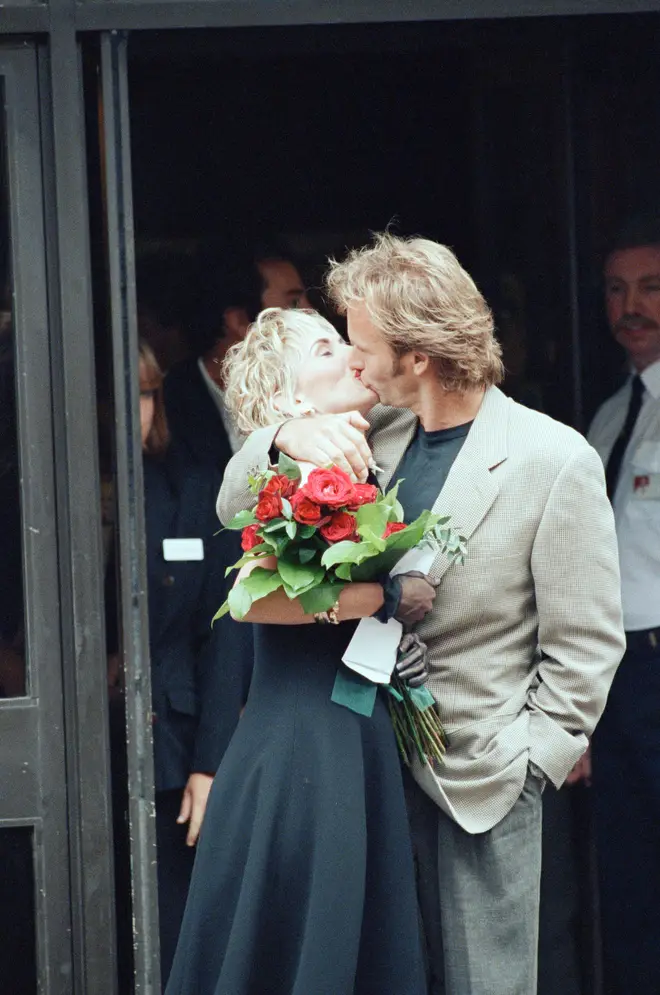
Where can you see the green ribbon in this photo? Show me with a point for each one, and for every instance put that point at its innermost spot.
(354, 692)
(420, 697)
(359, 694)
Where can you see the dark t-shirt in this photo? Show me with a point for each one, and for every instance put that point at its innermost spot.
(425, 467)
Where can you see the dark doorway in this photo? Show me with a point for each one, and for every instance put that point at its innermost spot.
(519, 143)
(522, 144)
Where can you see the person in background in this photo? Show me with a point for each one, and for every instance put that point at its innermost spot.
(237, 287)
(626, 745)
(196, 670)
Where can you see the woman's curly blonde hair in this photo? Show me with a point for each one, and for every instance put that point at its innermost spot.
(261, 372)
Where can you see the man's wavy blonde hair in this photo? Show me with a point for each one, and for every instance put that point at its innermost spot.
(420, 298)
(261, 372)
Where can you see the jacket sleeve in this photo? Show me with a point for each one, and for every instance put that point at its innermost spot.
(576, 579)
(235, 495)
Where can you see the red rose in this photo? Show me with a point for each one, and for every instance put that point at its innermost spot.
(393, 527)
(282, 485)
(341, 526)
(332, 487)
(365, 494)
(305, 511)
(249, 538)
(268, 507)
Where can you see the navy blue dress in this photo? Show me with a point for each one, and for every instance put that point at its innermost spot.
(303, 881)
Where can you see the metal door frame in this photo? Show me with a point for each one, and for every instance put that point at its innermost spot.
(33, 771)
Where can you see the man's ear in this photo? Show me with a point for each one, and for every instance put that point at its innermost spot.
(235, 321)
(420, 363)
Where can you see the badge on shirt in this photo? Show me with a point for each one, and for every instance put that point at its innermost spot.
(183, 549)
(646, 486)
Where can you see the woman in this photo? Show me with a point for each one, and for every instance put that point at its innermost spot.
(303, 882)
(199, 676)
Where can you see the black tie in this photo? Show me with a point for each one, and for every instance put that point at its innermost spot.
(616, 456)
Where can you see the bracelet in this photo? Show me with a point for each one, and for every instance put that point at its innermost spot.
(330, 617)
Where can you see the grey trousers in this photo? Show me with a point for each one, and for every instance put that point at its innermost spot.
(479, 896)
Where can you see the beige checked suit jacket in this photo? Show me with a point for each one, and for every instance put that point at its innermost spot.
(525, 637)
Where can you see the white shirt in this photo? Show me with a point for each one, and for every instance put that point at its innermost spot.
(637, 497)
(236, 440)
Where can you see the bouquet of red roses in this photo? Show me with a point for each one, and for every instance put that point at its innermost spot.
(324, 533)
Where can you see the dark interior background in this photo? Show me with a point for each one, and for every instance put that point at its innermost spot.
(522, 144)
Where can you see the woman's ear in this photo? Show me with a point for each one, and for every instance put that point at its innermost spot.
(299, 406)
(278, 402)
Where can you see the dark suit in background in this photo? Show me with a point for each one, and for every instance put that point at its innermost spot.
(193, 416)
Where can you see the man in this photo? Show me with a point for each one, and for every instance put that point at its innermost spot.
(524, 638)
(626, 747)
(237, 289)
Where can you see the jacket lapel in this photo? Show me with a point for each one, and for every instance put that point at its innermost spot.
(391, 434)
(470, 488)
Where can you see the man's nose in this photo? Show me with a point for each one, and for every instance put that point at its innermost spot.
(632, 303)
(354, 361)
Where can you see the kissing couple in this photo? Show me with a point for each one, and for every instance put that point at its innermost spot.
(305, 881)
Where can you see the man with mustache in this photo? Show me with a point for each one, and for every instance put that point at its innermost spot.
(626, 744)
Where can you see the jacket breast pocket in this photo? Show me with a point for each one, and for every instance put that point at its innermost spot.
(647, 456)
(644, 504)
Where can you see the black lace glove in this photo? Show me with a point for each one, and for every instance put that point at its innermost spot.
(407, 597)
(412, 660)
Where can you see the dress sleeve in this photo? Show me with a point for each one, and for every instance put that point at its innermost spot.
(235, 495)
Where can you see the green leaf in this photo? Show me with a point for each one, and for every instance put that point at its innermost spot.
(346, 552)
(298, 576)
(305, 554)
(390, 499)
(275, 525)
(306, 531)
(288, 467)
(343, 571)
(249, 557)
(260, 583)
(243, 519)
(373, 517)
(287, 510)
(239, 600)
(377, 542)
(258, 479)
(291, 529)
(222, 610)
(320, 598)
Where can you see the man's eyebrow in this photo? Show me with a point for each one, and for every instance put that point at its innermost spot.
(648, 277)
